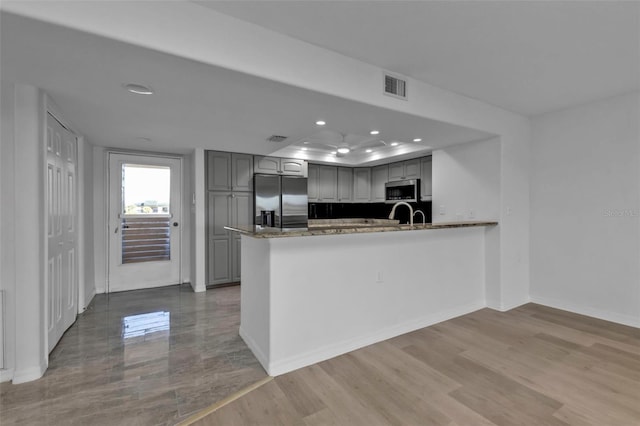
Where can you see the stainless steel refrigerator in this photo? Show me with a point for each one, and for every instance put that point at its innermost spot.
(280, 201)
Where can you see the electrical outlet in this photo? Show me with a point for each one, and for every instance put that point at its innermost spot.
(472, 214)
(509, 211)
(380, 278)
(443, 210)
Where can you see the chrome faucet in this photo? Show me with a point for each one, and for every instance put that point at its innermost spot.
(393, 211)
(424, 219)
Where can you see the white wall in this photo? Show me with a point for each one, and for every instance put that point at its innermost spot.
(466, 182)
(187, 220)
(308, 299)
(87, 282)
(467, 186)
(22, 230)
(99, 198)
(257, 51)
(7, 228)
(585, 209)
(198, 221)
(31, 355)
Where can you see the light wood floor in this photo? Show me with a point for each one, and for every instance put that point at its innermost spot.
(530, 366)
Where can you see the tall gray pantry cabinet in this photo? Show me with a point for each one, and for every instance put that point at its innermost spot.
(229, 202)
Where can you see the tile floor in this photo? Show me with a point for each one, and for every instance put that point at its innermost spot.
(146, 357)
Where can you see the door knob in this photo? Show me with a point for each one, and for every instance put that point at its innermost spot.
(175, 223)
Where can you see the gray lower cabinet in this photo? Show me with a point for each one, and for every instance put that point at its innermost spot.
(235, 260)
(225, 208)
(379, 177)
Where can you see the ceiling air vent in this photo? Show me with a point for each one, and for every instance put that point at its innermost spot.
(395, 86)
(276, 138)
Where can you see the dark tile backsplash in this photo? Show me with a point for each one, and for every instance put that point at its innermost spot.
(366, 210)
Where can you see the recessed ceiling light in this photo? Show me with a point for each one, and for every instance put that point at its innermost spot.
(143, 139)
(394, 143)
(375, 132)
(368, 150)
(343, 150)
(321, 123)
(138, 89)
(304, 148)
(306, 142)
(417, 140)
(333, 152)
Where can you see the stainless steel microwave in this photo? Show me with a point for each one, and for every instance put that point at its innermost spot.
(402, 190)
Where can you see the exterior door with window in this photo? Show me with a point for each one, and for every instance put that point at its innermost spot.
(144, 221)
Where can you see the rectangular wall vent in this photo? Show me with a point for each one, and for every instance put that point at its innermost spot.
(276, 138)
(395, 86)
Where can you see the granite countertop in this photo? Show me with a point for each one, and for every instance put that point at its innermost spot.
(347, 226)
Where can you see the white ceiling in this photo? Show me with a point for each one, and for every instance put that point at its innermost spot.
(195, 105)
(529, 57)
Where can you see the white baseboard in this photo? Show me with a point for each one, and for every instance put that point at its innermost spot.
(198, 288)
(28, 374)
(513, 305)
(588, 311)
(278, 367)
(87, 300)
(6, 375)
(257, 352)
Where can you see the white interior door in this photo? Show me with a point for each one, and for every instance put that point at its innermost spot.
(62, 229)
(144, 221)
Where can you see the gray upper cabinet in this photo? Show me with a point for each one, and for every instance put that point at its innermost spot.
(313, 182)
(241, 172)
(379, 177)
(322, 185)
(409, 169)
(425, 179)
(412, 169)
(362, 185)
(280, 166)
(345, 184)
(227, 171)
(218, 171)
(296, 167)
(269, 165)
(328, 187)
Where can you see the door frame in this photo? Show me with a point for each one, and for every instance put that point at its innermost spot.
(107, 204)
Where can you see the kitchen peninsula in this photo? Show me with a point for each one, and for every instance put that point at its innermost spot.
(308, 295)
